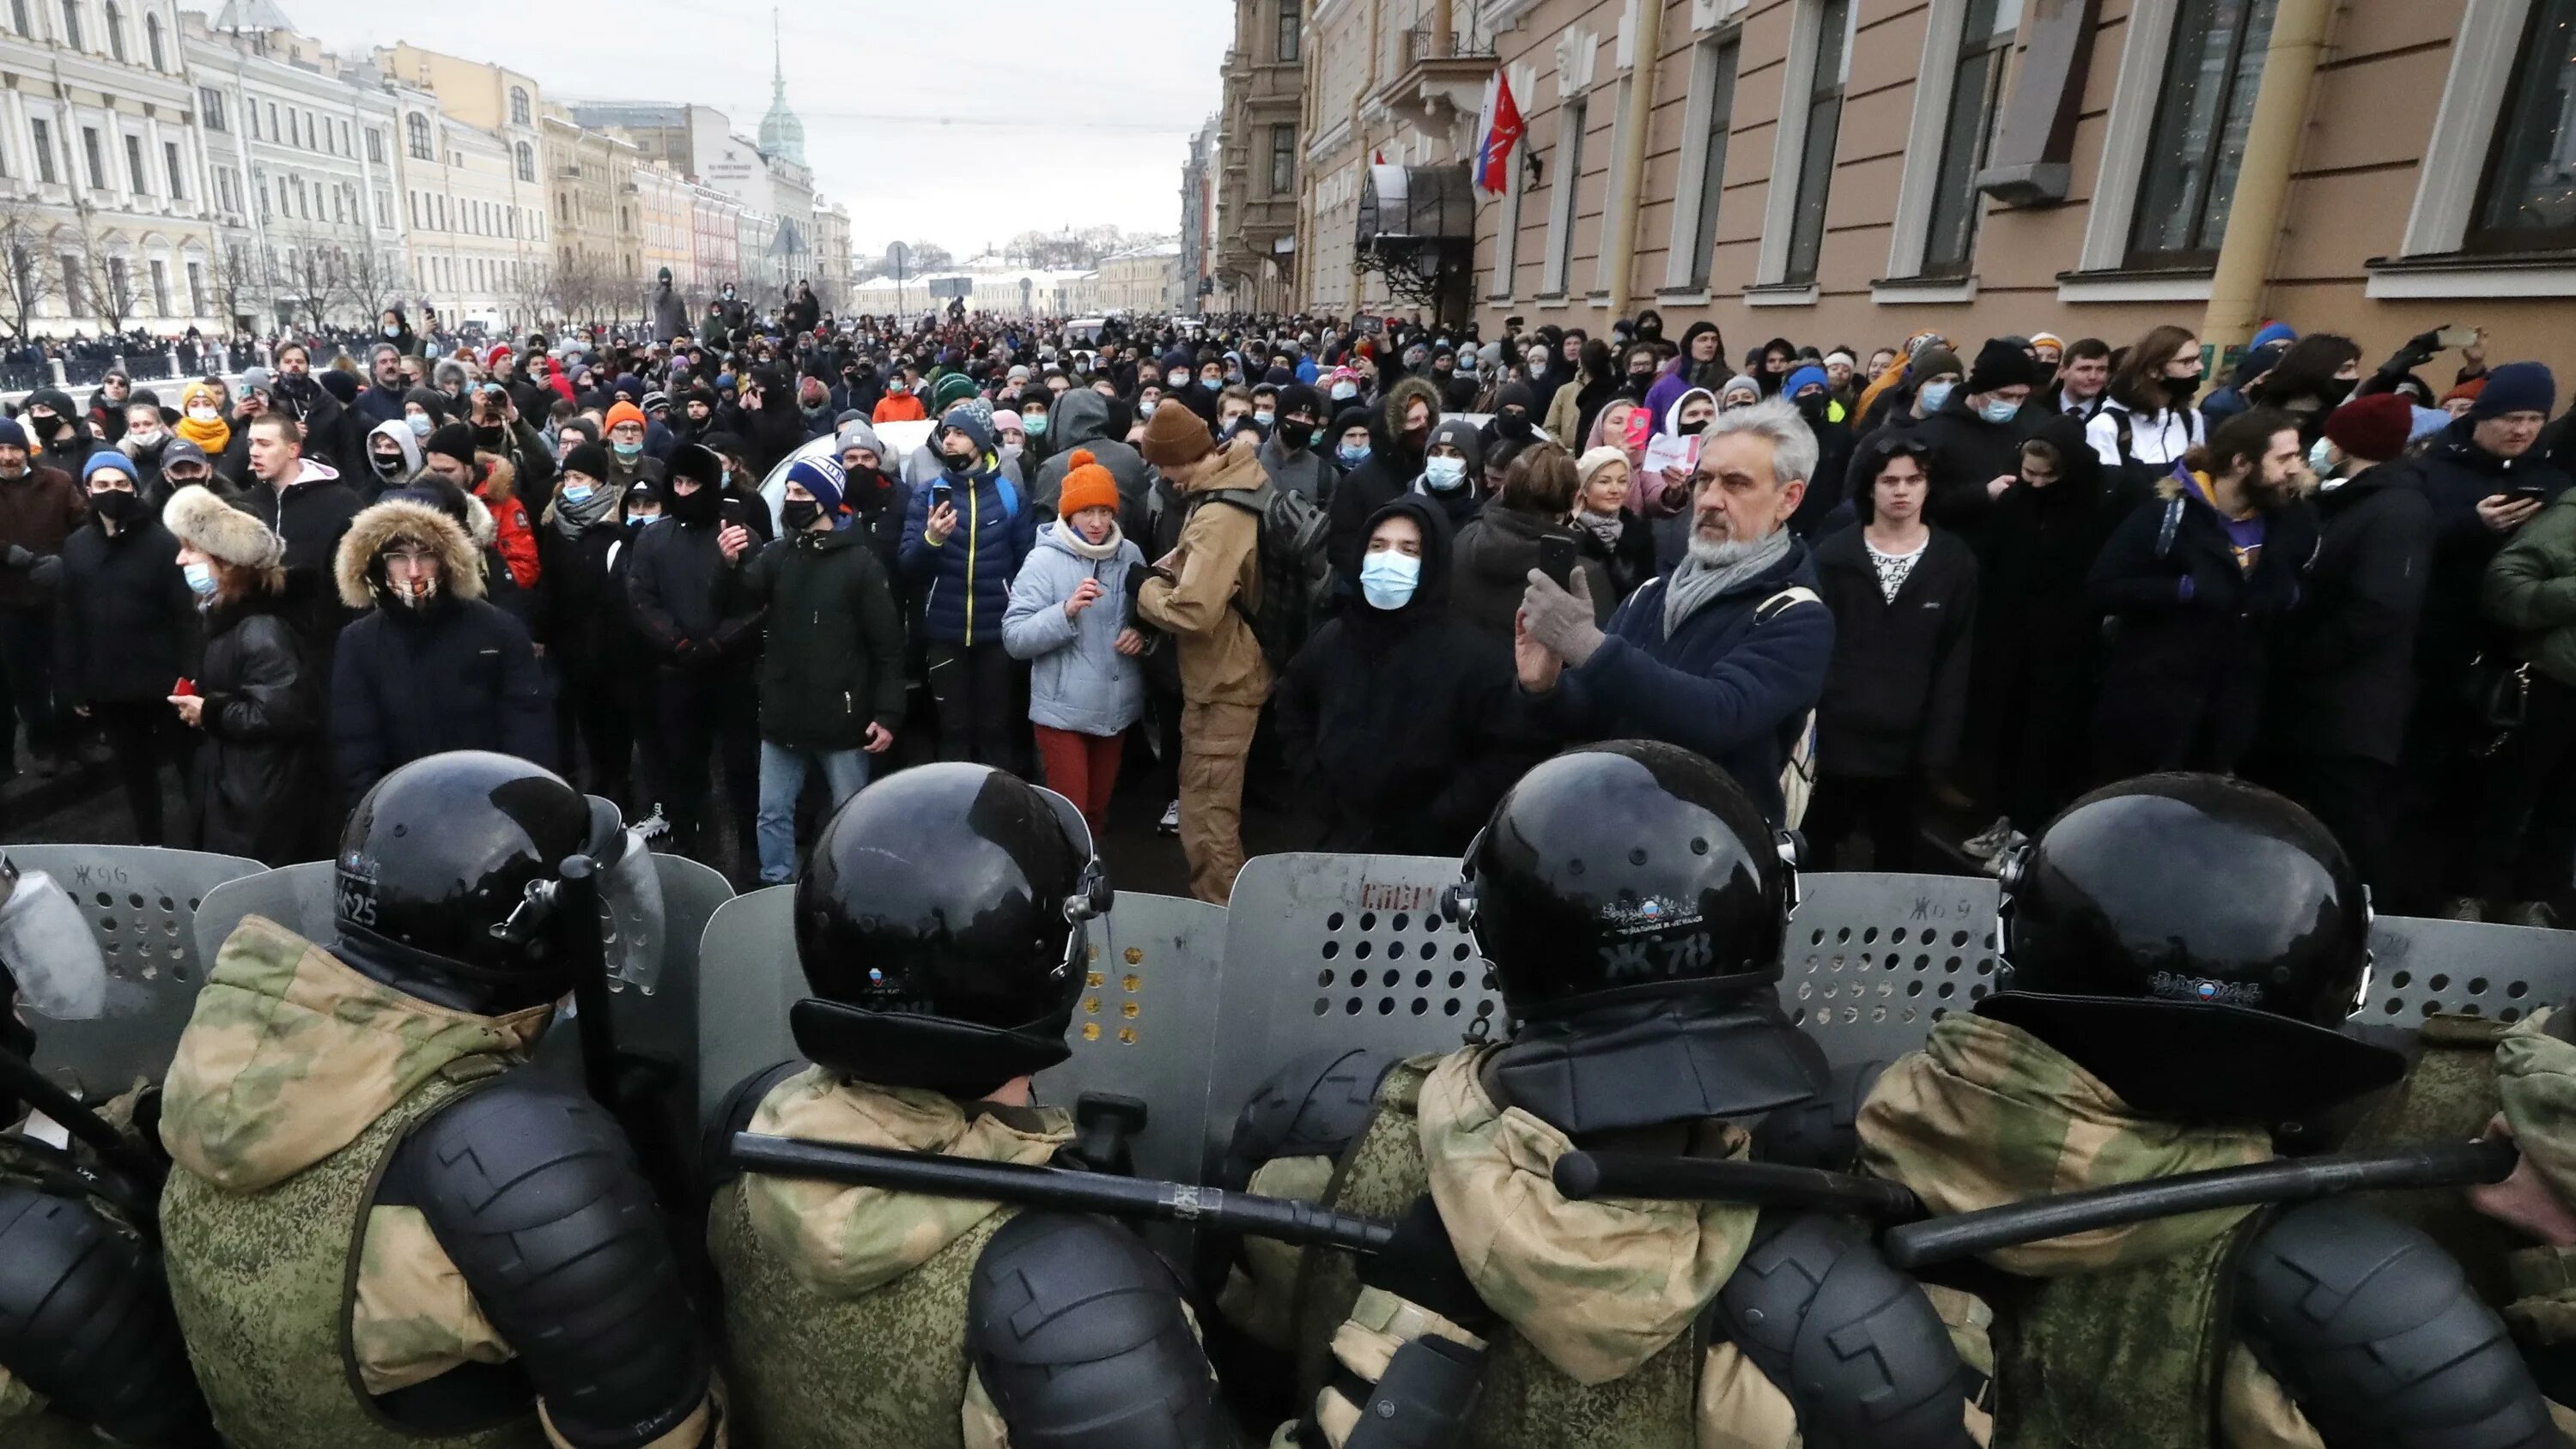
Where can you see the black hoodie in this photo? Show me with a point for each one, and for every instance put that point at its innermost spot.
(1404, 724)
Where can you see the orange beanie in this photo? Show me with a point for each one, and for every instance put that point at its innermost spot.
(1088, 485)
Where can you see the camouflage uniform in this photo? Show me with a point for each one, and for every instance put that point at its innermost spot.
(302, 1298)
(845, 1307)
(2112, 1338)
(1604, 1304)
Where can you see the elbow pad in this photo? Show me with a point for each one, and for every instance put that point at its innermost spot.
(1313, 1107)
(1855, 1344)
(537, 1199)
(1423, 1400)
(1824, 1130)
(85, 1320)
(1076, 1331)
(2377, 1335)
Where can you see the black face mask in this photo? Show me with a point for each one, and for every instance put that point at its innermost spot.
(1693, 430)
(119, 508)
(1515, 426)
(961, 466)
(800, 514)
(388, 465)
(698, 507)
(2182, 389)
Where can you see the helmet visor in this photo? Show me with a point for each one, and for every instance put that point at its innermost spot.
(631, 916)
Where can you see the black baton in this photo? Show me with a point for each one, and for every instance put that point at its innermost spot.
(1581, 1176)
(928, 1173)
(1967, 1235)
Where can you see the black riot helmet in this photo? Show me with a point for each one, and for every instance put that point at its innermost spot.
(942, 928)
(447, 876)
(1626, 870)
(2195, 942)
(1631, 901)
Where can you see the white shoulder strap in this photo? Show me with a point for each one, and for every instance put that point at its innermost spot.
(1783, 601)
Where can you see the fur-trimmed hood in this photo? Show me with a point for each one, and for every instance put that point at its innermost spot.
(1398, 399)
(205, 522)
(387, 520)
(499, 478)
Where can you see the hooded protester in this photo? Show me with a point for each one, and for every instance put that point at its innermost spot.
(773, 426)
(1701, 363)
(391, 459)
(433, 667)
(966, 534)
(1069, 617)
(582, 621)
(1975, 441)
(1400, 435)
(1453, 471)
(257, 704)
(684, 588)
(146, 436)
(1499, 546)
(1397, 717)
(125, 626)
(1086, 420)
(55, 425)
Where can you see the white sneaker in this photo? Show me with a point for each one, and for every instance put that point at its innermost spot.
(1171, 822)
(1990, 844)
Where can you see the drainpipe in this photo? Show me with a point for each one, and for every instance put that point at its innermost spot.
(2263, 178)
(1647, 44)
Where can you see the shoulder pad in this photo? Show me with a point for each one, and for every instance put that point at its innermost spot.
(1822, 1131)
(1313, 1107)
(2375, 1332)
(85, 1320)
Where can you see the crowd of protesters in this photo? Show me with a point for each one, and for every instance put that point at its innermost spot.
(1916, 597)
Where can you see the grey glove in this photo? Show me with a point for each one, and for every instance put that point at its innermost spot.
(1561, 620)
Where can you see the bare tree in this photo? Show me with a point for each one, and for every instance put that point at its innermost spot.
(310, 278)
(535, 292)
(25, 281)
(107, 284)
(371, 281)
(236, 280)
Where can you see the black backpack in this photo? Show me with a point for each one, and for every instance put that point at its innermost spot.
(1293, 567)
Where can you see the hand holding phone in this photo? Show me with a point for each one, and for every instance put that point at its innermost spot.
(2457, 337)
(1556, 556)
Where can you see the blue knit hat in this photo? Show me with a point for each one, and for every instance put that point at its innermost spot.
(2273, 332)
(2517, 387)
(1802, 377)
(965, 419)
(825, 479)
(11, 434)
(108, 460)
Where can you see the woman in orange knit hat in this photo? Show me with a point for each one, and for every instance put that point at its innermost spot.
(1072, 618)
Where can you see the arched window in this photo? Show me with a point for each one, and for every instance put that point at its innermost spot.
(115, 30)
(416, 132)
(71, 24)
(152, 41)
(527, 162)
(519, 106)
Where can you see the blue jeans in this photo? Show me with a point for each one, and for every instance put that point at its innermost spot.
(782, 775)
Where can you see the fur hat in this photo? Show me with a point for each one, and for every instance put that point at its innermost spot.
(1086, 485)
(205, 522)
(698, 463)
(404, 515)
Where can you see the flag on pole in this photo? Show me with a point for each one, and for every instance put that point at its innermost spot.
(1380, 158)
(1498, 130)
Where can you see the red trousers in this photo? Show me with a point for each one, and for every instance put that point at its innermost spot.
(1083, 769)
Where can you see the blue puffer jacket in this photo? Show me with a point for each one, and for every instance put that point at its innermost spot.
(1728, 686)
(964, 583)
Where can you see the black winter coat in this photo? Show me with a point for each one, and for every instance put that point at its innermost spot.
(833, 662)
(2184, 680)
(1495, 555)
(125, 624)
(1405, 726)
(1897, 690)
(581, 614)
(1967, 453)
(2037, 628)
(262, 761)
(460, 676)
(2344, 671)
(687, 601)
(2455, 474)
(310, 518)
(1630, 561)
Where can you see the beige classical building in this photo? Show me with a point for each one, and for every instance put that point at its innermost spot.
(1259, 168)
(598, 206)
(1858, 170)
(1147, 279)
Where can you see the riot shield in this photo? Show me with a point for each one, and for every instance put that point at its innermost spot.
(658, 1028)
(142, 902)
(2420, 967)
(1143, 1028)
(1873, 960)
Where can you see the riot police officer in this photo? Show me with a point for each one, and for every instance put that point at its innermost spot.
(384, 1228)
(88, 1347)
(2179, 952)
(1631, 902)
(940, 926)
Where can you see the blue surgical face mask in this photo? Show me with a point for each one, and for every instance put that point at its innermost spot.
(1345, 391)
(1265, 419)
(1034, 424)
(1388, 579)
(1352, 454)
(1444, 474)
(626, 450)
(1999, 410)
(1935, 394)
(578, 492)
(2321, 460)
(201, 579)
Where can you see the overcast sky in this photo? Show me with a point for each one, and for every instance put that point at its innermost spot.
(962, 122)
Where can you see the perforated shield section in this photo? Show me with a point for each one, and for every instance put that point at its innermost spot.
(1341, 951)
(2420, 967)
(1144, 1026)
(1873, 960)
(142, 902)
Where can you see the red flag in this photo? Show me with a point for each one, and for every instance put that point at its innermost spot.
(1381, 156)
(1501, 130)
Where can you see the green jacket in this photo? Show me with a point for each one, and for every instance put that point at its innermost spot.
(834, 661)
(2531, 590)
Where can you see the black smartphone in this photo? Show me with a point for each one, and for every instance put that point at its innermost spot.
(940, 495)
(731, 511)
(2528, 492)
(1556, 559)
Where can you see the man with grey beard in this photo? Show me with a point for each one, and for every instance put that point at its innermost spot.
(1727, 655)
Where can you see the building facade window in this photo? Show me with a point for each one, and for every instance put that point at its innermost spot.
(152, 42)
(527, 162)
(75, 302)
(197, 289)
(375, 146)
(1705, 164)
(96, 159)
(1976, 97)
(43, 136)
(1291, 27)
(1283, 160)
(210, 107)
(72, 24)
(160, 287)
(2212, 72)
(115, 31)
(2527, 199)
(18, 19)
(1824, 101)
(416, 136)
(1571, 118)
(134, 174)
(519, 110)
(170, 164)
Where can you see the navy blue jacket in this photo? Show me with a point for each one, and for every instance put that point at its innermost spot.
(1732, 689)
(965, 583)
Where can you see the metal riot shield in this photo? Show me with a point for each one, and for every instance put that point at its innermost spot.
(1872, 960)
(1144, 1027)
(141, 902)
(2422, 967)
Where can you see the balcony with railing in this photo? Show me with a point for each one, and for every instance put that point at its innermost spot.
(1439, 72)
